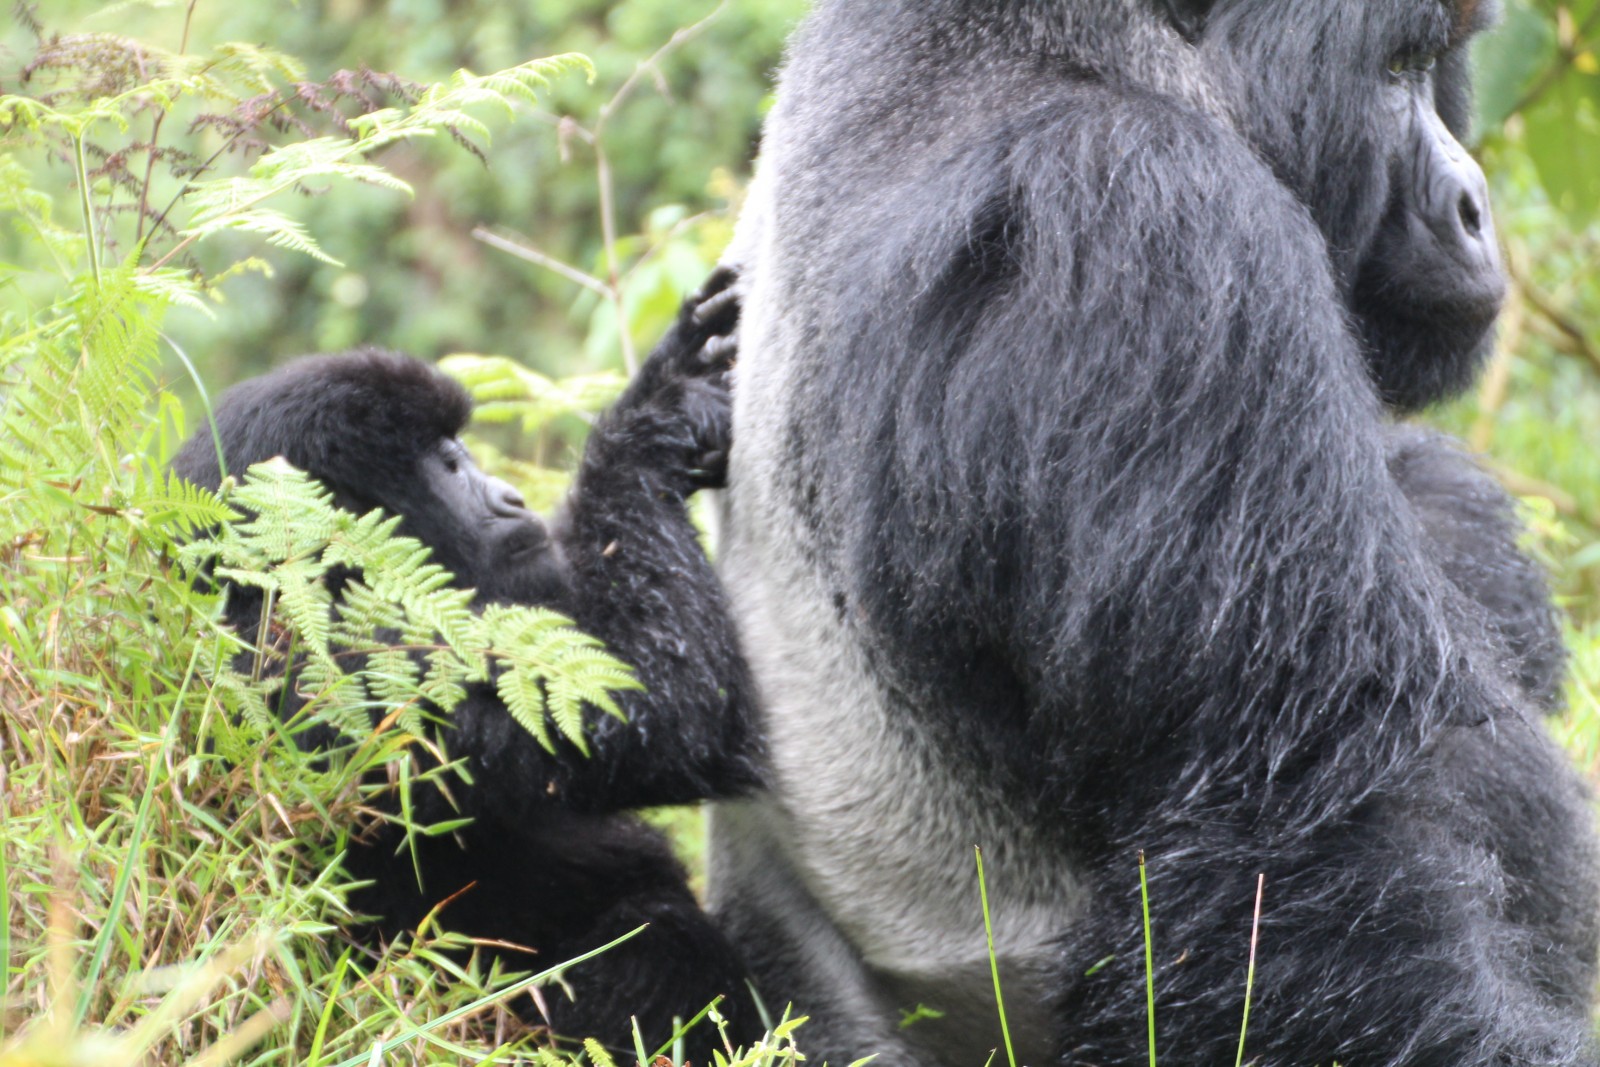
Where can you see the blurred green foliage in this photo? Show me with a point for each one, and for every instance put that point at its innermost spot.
(1539, 88)
(1536, 414)
(413, 277)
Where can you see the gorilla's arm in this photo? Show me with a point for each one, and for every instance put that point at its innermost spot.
(635, 576)
(642, 582)
(1473, 527)
(1284, 656)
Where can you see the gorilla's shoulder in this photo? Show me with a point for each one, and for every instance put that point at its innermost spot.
(1121, 154)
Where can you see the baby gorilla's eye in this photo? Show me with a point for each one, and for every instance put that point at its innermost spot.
(452, 453)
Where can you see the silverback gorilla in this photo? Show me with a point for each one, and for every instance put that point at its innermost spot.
(1066, 520)
(556, 867)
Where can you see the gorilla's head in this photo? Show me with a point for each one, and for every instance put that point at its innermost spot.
(379, 430)
(1358, 106)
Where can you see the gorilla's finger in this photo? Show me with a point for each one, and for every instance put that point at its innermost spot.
(719, 313)
(719, 352)
(711, 470)
(723, 279)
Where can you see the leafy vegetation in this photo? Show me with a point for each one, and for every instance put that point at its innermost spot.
(365, 653)
(170, 890)
(1537, 411)
(185, 210)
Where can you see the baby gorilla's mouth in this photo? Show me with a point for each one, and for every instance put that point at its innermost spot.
(523, 538)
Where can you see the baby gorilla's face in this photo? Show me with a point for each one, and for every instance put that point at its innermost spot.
(481, 530)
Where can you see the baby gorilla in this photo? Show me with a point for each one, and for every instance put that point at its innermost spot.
(551, 861)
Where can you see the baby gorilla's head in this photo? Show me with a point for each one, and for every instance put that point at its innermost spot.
(379, 430)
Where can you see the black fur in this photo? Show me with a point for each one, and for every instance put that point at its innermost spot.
(557, 869)
(1066, 520)
(1473, 529)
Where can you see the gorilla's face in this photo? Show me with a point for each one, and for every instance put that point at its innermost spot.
(1359, 111)
(1429, 288)
(379, 430)
(478, 527)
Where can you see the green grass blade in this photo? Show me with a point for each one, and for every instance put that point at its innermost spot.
(994, 962)
(1250, 971)
(335, 984)
(1149, 960)
(382, 1048)
(136, 837)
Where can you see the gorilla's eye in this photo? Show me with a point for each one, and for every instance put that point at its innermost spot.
(452, 456)
(1412, 61)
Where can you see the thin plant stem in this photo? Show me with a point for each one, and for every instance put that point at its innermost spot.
(608, 238)
(155, 136)
(994, 961)
(605, 185)
(90, 239)
(205, 401)
(1250, 971)
(532, 255)
(1149, 960)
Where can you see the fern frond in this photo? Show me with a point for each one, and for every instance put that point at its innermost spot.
(179, 288)
(290, 514)
(276, 228)
(442, 105)
(524, 696)
(182, 508)
(553, 670)
(304, 599)
(506, 391)
(392, 676)
(258, 65)
(443, 681)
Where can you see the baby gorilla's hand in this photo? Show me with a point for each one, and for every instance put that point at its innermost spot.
(700, 344)
(675, 416)
(711, 313)
(715, 310)
(707, 406)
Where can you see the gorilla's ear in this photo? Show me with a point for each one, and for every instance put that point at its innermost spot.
(1188, 17)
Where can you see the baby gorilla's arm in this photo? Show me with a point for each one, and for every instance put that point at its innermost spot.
(636, 577)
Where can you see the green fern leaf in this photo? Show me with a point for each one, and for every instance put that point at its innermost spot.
(552, 671)
(182, 508)
(278, 229)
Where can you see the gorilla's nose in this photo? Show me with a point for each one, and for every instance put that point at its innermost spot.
(1462, 216)
(504, 499)
(1455, 200)
(1469, 209)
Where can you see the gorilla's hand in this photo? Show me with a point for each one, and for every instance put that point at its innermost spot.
(712, 313)
(715, 310)
(675, 416)
(706, 406)
(701, 342)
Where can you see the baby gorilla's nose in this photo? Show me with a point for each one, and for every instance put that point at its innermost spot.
(504, 499)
